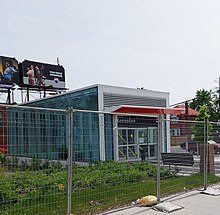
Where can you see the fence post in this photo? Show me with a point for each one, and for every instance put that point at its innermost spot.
(69, 161)
(205, 152)
(160, 141)
(115, 137)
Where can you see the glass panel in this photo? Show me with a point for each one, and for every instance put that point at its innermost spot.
(91, 101)
(109, 148)
(132, 137)
(152, 150)
(143, 151)
(132, 152)
(86, 136)
(122, 137)
(152, 135)
(142, 136)
(122, 152)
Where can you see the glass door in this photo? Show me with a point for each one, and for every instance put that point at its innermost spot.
(127, 144)
(143, 144)
(132, 144)
(137, 143)
(122, 144)
(153, 142)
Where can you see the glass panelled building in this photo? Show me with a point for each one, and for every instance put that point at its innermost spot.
(37, 133)
(99, 136)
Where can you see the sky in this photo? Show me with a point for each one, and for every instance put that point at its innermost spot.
(171, 46)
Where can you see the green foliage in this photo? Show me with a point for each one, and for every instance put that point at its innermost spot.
(122, 182)
(2, 158)
(203, 97)
(203, 113)
(25, 187)
(198, 128)
(209, 99)
(113, 173)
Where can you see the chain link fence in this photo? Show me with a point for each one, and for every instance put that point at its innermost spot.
(89, 162)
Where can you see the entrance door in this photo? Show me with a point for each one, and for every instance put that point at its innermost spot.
(127, 144)
(147, 141)
(143, 144)
(137, 143)
(132, 144)
(122, 144)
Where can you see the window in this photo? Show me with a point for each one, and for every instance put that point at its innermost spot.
(174, 119)
(175, 132)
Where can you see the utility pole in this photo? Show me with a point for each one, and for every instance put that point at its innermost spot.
(219, 96)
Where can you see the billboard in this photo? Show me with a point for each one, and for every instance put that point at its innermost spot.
(9, 73)
(42, 74)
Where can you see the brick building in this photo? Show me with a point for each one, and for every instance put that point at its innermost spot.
(181, 125)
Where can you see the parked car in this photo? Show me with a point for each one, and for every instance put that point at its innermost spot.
(194, 147)
(216, 146)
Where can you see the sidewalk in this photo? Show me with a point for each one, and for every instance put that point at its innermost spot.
(193, 203)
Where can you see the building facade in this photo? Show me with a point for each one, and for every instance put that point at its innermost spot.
(98, 134)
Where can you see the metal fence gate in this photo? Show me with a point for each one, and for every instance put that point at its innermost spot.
(110, 168)
(33, 161)
(193, 157)
(89, 162)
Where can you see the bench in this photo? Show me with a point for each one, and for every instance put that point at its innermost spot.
(178, 159)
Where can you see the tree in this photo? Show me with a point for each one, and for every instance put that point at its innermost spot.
(207, 98)
(201, 136)
(216, 107)
(199, 129)
(203, 97)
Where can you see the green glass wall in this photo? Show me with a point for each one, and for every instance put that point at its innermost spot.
(86, 137)
(34, 133)
(84, 100)
(109, 148)
(85, 127)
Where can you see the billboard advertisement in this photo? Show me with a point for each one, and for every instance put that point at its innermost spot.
(9, 73)
(42, 74)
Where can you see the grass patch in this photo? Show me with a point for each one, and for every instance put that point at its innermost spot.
(96, 188)
(110, 197)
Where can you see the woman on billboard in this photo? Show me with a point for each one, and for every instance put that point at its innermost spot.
(30, 74)
(10, 73)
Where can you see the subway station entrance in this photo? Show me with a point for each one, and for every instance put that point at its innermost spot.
(136, 132)
(137, 138)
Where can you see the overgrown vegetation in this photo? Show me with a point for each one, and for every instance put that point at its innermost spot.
(41, 187)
